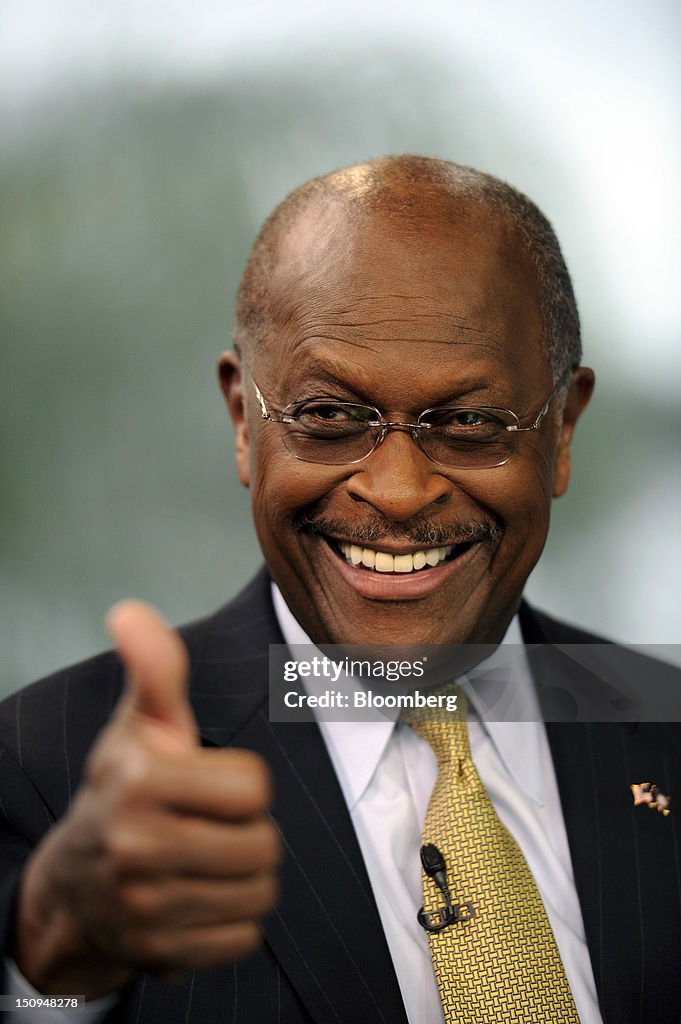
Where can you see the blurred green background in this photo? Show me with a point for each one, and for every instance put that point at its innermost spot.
(140, 152)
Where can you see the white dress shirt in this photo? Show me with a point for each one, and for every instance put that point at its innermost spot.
(387, 772)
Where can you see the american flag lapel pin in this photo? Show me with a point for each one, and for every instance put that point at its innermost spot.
(648, 793)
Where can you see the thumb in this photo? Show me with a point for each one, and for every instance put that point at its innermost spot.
(157, 667)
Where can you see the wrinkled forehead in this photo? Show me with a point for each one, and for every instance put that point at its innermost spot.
(441, 246)
(442, 268)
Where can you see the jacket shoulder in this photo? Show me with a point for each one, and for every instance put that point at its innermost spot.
(539, 627)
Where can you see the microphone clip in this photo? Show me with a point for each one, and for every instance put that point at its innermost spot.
(436, 920)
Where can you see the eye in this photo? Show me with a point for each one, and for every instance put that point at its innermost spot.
(462, 419)
(335, 412)
(457, 427)
(332, 419)
(469, 418)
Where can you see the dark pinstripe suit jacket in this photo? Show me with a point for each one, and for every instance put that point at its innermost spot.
(324, 958)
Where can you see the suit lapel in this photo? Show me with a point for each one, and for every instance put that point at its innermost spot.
(325, 932)
(625, 859)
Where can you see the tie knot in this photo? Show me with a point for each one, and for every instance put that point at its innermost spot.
(445, 731)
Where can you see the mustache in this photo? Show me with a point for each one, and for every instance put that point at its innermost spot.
(425, 533)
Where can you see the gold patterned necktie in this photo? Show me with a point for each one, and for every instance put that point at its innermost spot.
(499, 963)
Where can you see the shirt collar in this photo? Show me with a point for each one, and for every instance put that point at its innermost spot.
(501, 694)
(500, 687)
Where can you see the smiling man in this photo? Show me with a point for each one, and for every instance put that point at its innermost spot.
(397, 286)
(404, 387)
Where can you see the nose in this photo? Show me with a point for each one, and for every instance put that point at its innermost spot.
(398, 479)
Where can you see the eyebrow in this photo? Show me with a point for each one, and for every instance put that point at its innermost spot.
(338, 375)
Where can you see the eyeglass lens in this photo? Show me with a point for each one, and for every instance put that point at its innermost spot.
(335, 435)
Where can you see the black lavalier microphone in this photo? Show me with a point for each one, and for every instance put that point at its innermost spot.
(434, 921)
(435, 867)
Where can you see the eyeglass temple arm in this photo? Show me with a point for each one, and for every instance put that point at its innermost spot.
(540, 416)
(545, 407)
(261, 402)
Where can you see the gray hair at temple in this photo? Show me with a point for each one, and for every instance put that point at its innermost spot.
(406, 184)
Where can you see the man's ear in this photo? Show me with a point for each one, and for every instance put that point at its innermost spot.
(579, 393)
(231, 384)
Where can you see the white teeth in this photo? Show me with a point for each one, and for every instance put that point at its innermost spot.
(383, 561)
(355, 554)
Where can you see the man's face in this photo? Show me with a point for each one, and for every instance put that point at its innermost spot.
(403, 318)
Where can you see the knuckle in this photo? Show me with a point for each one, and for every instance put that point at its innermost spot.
(254, 776)
(272, 847)
(262, 782)
(259, 846)
(139, 904)
(265, 895)
(158, 949)
(124, 851)
(243, 938)
(122, 769)
(134, 774)
(151, 949)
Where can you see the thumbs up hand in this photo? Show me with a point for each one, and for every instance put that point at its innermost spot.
(167, 858)
(157, 673)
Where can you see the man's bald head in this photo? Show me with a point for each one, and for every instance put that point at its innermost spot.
(413, 190)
